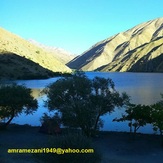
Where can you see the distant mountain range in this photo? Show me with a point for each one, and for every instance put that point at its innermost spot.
(20, 58)
(139, 49)
(62, 55)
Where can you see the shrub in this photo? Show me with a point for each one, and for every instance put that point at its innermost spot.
(50, 125)
(37, 51)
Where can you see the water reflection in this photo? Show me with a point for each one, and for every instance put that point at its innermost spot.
(143, 88)
(33, 119)
(36, 93)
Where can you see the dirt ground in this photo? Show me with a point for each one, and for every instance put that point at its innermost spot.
(122, 148)
(115, 147)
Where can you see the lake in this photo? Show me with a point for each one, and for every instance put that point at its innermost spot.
(143, 88)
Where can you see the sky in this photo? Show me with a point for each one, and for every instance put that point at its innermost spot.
(75, 25)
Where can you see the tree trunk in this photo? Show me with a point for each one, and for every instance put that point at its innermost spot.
(96, 123)
(161, 135)
(8, 122)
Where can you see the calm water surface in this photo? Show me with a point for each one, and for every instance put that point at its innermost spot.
(143, 88)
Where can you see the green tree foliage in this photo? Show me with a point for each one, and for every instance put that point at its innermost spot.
(137, 115)
(82, 101)
(157, 117)
(15, 99)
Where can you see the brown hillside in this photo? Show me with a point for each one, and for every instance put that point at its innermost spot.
(13, 66)
(13, 44)
(60, 54)
(137, 49)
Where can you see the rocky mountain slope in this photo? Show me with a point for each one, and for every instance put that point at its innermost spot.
(13, 66)
(139, 49)
(18, 53)
(62, 55)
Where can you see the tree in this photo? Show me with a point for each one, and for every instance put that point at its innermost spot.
(157, 117)
(15, 99)
(137, 115)
(82, 101)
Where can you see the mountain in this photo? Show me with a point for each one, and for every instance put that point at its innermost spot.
(139, 49)
(25, 58)
(13, 66)
(62, 55)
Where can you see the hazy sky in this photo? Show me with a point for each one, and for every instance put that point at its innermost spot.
(75, 25)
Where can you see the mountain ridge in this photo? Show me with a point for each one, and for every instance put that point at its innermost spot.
(62, 55)
(13, 44)
(108, 54)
